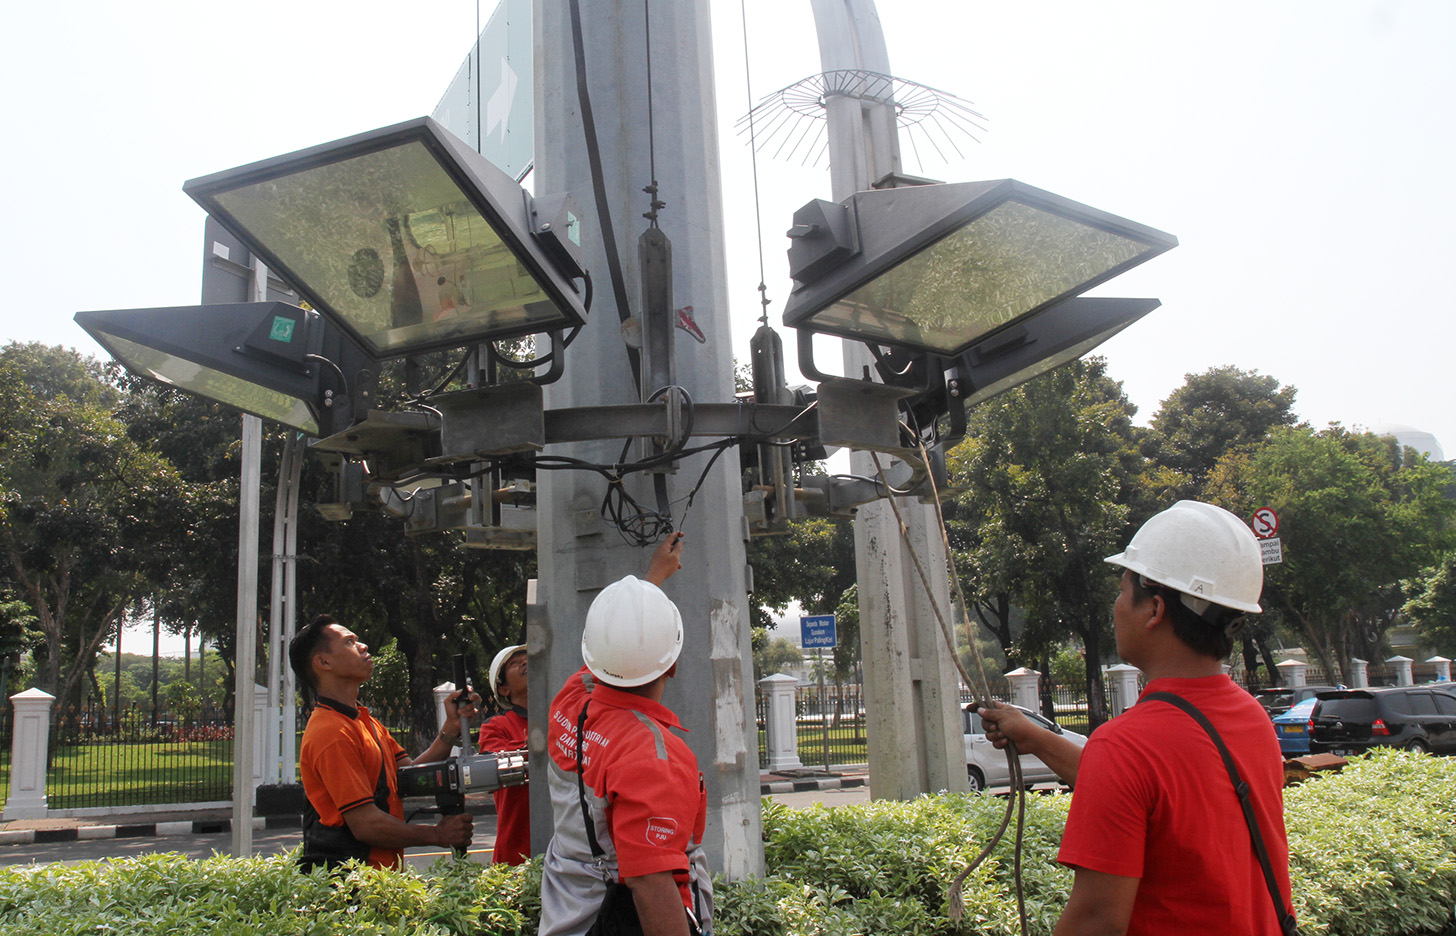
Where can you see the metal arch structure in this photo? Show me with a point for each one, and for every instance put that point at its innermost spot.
(795, 118)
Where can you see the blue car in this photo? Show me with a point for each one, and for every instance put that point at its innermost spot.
(1293, 728)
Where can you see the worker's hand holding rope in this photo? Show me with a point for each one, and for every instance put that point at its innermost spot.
(1006, 724)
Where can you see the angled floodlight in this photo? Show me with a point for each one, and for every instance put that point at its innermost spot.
(407, 239)
(270, 359)
(937, 268)
(1044, 342)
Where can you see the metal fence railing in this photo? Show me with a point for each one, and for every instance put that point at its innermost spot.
(139, 759)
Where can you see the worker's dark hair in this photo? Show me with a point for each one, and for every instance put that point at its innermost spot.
(304, 645)
(1213, 638)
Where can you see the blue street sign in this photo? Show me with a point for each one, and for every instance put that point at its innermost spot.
(817, 630)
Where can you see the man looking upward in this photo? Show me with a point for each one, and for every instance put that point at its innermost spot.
(502, 733)
(348, 760)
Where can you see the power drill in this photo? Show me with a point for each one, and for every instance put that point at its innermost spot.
(467, 772)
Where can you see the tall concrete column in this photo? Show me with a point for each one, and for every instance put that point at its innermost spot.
(911, 704)
(579, 553)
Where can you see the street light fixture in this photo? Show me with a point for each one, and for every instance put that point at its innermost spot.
(270, 359)
(938, 267)
(406, 239)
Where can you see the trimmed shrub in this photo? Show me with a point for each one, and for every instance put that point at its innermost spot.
(1371, 853)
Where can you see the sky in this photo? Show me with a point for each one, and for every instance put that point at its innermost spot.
(1300, 150)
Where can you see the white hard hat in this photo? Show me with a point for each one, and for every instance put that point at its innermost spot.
(498, 664)
(633, 633)
(1203, 551)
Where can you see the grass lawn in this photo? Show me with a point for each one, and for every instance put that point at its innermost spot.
(110, 774)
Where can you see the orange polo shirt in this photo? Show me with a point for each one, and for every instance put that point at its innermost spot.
(339, 761)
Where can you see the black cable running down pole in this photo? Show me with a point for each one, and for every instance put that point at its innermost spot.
(599, 186)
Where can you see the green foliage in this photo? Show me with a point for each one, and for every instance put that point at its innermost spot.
(1050, 476)
(1373, 849)
(1432, 607)
(1357, 515)
(1371, 853)
(1219, 411)
(776, 656)
(178, 896)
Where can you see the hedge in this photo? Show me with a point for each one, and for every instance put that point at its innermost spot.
(1371, 853)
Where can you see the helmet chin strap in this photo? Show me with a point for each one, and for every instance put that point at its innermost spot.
(1215, 615)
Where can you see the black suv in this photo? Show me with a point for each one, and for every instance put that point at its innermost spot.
(1418, 718)
(1280, 699)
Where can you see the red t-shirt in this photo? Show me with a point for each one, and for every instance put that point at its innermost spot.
(1153, 801)
(339, 761)
(500, 733)
(656, 804)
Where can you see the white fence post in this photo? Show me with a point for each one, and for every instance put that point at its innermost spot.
(1293, 671)
(1403, 676)
(782, 726)
(1359, 673)
(442, 692)
(1123, 681)
(28, 749)
(1024, 688)
(1443, 668)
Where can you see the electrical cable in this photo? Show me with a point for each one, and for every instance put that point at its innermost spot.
(955, 902)
(599, 186)
(753, 153)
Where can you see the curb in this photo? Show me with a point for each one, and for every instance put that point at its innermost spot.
(139, 830)
(262, 823)
(810, 786)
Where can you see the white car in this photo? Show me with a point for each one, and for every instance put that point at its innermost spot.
(987, 766)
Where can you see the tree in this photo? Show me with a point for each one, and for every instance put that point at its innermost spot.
(1219, 411)
(1357, 515)
(1052, 475)
(1432, 606)
(82, 503)
(813, 565)
(773, 655)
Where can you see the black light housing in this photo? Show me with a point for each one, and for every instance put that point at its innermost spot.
(271, 359)
(406, 239)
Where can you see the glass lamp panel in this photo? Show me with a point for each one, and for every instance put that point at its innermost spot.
(392, 245)
(214, 384)
(979, 278)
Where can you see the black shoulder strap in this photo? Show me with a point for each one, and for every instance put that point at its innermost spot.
(1287, 924)
(591, 827)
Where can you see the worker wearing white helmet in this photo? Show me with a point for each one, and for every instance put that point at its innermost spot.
(505, 732)
(1156, 835)
(627, 797)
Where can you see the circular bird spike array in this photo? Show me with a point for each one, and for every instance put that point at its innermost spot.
(792, 119)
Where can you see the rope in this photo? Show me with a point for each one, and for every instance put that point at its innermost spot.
(955, 902)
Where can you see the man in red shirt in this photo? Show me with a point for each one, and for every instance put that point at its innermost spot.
(627, 797)
(348, 760)
(1156, 836)
(502, 733)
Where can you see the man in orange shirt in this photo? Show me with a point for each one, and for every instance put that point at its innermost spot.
(348, 760)
(503, 733)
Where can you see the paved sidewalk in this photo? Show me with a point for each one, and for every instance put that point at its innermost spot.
(213, 820)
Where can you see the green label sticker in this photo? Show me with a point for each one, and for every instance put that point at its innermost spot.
(282, 329)
(573, 228)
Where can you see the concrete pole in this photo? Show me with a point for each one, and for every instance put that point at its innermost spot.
(245, 660)
(579, 554)
(913, 719)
